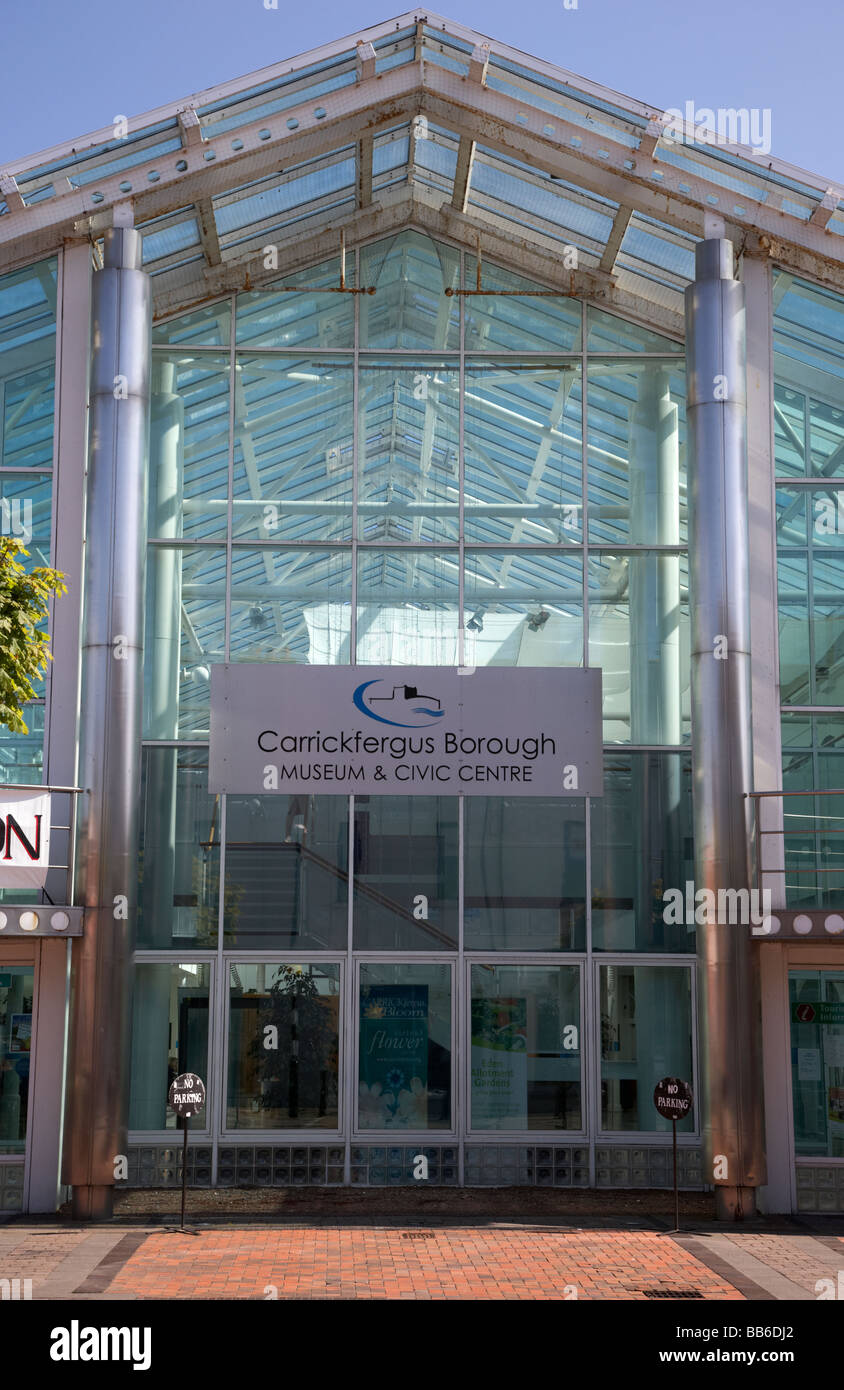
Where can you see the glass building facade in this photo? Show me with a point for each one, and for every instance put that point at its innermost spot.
(410, 399)
(453, 481)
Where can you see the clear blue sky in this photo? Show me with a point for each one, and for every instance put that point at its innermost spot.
(70, 66)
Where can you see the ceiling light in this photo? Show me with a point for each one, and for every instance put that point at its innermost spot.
(476, 622)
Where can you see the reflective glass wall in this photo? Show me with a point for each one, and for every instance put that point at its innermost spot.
(418, 476)
(28, 317)
(809, 461)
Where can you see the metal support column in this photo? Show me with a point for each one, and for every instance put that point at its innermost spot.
(110, 723)
(720, 659)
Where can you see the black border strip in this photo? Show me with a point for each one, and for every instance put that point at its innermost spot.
(725, 1271)
(111, 1264)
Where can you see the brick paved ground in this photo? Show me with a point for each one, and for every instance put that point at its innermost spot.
(454, 1263)
(492, 1260)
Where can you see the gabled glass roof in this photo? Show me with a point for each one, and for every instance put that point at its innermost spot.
(315, 141)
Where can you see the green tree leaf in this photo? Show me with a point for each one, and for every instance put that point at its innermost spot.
(24, 645)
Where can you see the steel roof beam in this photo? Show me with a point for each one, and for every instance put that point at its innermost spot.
(827, 206)
(478, 63)
(364, 107)
(597, 163)
(309, 247)
(365, 62)
(11, 194)
(509, 126)
(615, 238)
(363, 160)
(463, 173)
(208, 237)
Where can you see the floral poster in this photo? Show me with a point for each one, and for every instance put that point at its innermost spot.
(394, 1057)
(21, 1033)
(499, 1063)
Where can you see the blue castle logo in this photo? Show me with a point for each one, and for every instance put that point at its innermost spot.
(412, 710)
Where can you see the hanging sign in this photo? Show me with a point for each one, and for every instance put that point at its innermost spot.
(403, 731)
(24, 838)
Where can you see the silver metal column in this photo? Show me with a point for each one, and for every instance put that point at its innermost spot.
(720, 660)
(110, 723)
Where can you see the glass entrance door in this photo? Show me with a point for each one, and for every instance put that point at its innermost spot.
(17, 988)
(816, 1007)
(405, 1031)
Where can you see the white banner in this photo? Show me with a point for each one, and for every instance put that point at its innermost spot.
(24, 839)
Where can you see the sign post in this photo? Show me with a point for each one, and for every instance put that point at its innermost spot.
(673, 1100)
(187, 1097)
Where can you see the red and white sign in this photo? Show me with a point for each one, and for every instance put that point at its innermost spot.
(24, 839)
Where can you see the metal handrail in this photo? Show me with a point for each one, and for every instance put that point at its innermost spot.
(37, 787)
(816, 870)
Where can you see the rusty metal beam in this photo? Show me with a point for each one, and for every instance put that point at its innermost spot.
(424, 211)
(463, 173)
(615, 238)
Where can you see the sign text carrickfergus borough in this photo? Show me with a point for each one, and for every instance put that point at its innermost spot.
(494, 731)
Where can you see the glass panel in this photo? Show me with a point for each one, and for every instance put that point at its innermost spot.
(17, 990)
(293, 449)
(637, 446)
(21, 761)
(824, 510)
(27, 366)
(646, 1034)
(185, 636)
(205, 327)
(409, 452)
(789, 432)
(25, 514)
(189, 448)
(410, 308)
(642, 846)
(291, 605)
(816, 998)
(179, 852)
(286, 873)
(813, 758)
(607, 333)
(516, 321)
(826, 434)
(28, 406)
(300, 311)
(810, 603)
(405, 1047)
(522, 445)
(408, 608)
(639, 636)
(525, 874)
(169, 1036)
(809, 367)
(526, 1047)
(794, 627)
(284, 1046)
(827, 628)
(792, 511)
(523, 608)
(405, 885)
(21, 755)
